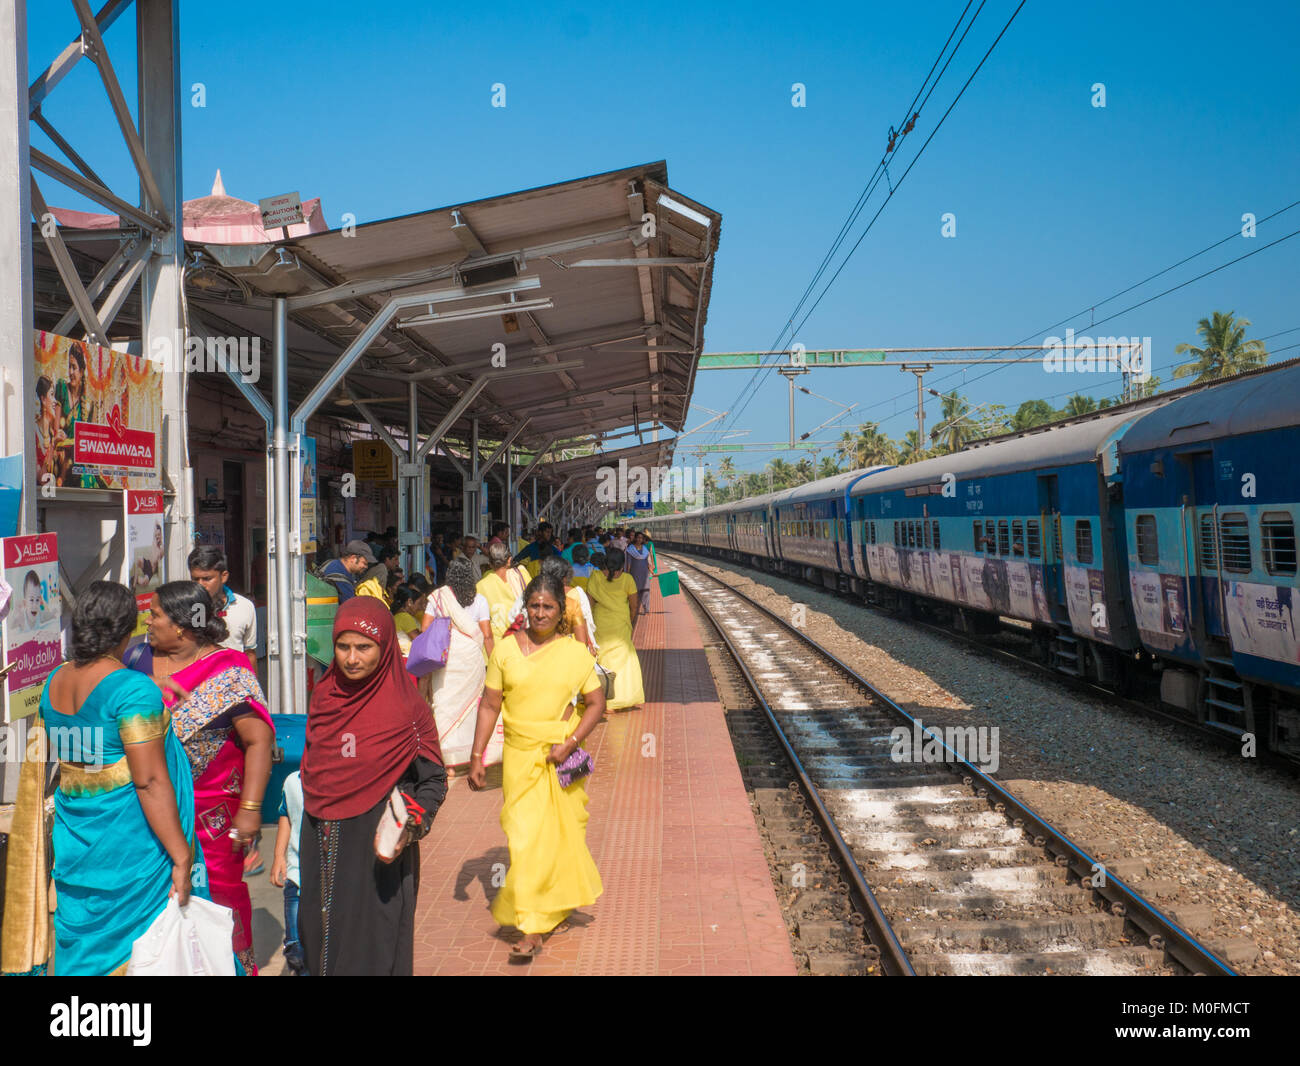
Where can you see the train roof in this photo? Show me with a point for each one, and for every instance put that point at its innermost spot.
(1252, 404)
(1077, 443)
(748, 503)
(824, 487)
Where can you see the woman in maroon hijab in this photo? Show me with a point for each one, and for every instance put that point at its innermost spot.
(368, 731)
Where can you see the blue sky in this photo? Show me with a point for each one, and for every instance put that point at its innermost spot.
(385, 110)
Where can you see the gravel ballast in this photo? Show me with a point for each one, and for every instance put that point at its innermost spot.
(1206, 835)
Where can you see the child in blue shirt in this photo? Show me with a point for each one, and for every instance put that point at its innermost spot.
(284, 870)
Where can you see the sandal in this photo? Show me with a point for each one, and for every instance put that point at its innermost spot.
(518, 951)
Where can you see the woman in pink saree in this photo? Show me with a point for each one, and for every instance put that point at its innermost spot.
(219, 713)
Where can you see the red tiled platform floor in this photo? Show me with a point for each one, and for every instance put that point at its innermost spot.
(687, 889)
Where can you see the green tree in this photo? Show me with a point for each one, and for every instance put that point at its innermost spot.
(828, 467)
(1032, 413)
(803, 471)
(727, 471)
(1079, 404)
(956, 428)
(1226, 351)
(873, 448)
(783, 474)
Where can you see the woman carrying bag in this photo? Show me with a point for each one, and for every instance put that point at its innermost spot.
(533, 679)
(369, 733)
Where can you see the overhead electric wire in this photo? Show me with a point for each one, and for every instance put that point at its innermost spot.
(912, 111)
(1102, 303)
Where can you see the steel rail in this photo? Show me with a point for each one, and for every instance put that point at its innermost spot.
(894, 959)
(1162, 931)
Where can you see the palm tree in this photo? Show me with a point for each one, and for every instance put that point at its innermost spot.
(1032, 413)
(846, 451)
(910, 450)
(873, 447)
(727, 471)
(1226, 350)
(1079, 404)
(783, 474)
(803, 471)
(956, 428)
(828, 467)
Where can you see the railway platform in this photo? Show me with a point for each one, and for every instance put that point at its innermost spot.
(687, 888)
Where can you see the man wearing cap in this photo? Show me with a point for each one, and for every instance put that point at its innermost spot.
(355, 559)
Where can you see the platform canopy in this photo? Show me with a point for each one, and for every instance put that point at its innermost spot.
(606, 278)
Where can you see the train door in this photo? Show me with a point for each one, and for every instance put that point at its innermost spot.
(1199, 559)
(1049, 506)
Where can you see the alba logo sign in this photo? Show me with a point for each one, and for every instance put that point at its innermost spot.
(30, 551)
(144, 502)
(113, 444)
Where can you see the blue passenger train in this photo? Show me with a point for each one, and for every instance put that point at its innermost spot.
(1159, 535)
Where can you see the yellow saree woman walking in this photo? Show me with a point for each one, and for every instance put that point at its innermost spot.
(614, 601)
(533, 678)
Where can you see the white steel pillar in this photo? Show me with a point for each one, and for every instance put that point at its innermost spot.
(16, 366)
(282, 644)
(158, 87)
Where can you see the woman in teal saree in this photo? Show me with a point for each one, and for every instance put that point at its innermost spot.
(124, 812)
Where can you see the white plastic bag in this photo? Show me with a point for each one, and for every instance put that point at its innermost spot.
(189, 941)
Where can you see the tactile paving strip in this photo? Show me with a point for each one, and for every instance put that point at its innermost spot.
(687, 888)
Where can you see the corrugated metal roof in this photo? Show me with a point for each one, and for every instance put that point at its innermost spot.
(636, 331)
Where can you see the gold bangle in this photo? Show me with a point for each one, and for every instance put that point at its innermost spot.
(249, 805)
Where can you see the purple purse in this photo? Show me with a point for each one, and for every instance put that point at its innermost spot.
(429, 649)
(575, 767)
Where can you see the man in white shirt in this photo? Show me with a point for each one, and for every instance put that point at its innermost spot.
(208, 567)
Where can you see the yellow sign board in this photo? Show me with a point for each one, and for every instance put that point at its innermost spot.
(373, 460)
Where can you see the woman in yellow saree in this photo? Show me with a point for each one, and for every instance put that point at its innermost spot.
(533, 679)
(501, 586)
(614, 599)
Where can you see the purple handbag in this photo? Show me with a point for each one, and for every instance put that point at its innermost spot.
(575, 767)
(429, 649)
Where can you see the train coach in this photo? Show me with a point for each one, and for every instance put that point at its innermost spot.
(1210, 488)
(1159, 537)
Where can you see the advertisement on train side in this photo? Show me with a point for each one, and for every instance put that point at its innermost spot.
(1003, 586)
(1159, 607)
(98, 416)
(1261, 620)
(31, 628)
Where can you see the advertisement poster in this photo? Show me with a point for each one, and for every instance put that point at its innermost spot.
(307, 494)
(145, 558)
(210, 529)
(1160, 608)
(98, 415)
(1261, 621)
(31, 629)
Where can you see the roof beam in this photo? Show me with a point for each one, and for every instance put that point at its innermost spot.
(67, 59)
(94, 191)
(81, 302)
(467, 237)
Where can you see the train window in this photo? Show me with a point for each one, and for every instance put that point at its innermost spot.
(1148, 540)
(1208, 544)
(913, 541)
(1278, 534)
(977, 535)
(1004, 541)
(935, 524)
(1033, 543)
(925, 532)
(896, 532)
(1083, 540)
(1234, 533)
(1017, 537)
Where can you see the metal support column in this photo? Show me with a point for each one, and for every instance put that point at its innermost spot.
(19, 390)
(419, 506)
(162, 328)
(282, 655)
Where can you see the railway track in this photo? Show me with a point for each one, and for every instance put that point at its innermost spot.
(952, 873)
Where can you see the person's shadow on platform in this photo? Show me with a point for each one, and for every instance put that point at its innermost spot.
(489, 869)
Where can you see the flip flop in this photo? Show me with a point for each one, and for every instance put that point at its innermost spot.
(526, 953)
